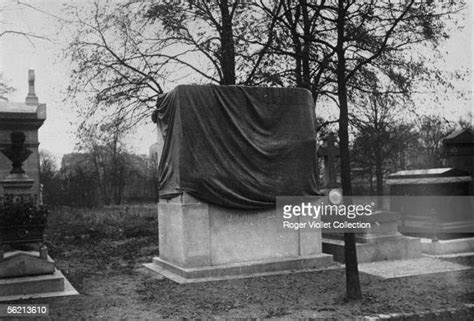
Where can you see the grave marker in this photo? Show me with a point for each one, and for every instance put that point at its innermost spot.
(330, 152)
(211, 134)
(24, 274)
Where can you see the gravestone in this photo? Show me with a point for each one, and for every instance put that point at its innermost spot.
(433, 202)
(24, 274)
(26, 117)
(459, 152)
(329, 152)
(203, 238)
(382, 241)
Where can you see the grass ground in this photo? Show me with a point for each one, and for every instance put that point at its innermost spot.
(101, 253)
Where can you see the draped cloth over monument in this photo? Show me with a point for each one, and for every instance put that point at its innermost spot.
(237, 147)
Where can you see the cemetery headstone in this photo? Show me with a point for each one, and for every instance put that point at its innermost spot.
(26, 118)
(433, 202)
(459, 152)
(329, 152)
(24, 274)
(382, 241)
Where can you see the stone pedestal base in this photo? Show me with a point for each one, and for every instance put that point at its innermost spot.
(397, 248)
(201, 241)
(20, 263)
(427, 227)
(31, 287)
(16, 183)
(239, 270)
(24, 275)
(381, 242)
(19, 185)
(445, 247)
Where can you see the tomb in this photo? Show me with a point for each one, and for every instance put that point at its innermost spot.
(433, 203)
(24, 274)
(382, 241)
(329, 152)
(228, 152)
(459, 152)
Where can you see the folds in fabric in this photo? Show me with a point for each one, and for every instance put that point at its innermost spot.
(237, 147)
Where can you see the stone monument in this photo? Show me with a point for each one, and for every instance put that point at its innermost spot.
(201, 240)
(27, 118)
(329, 152)
(432, 201)
(435, 204)
(459, 152)
(24, 274)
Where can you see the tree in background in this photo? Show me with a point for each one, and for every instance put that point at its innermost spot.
(371, 42)
(205, 29)
(49, 178)
(124, 54)
(366, 43)
(79, 185)
(428, 150)
(153, 172)
(103, 143)
(381, 134)
(26, 34)
(76, 183)
(466, 122)
(111, 64)
(4, 87)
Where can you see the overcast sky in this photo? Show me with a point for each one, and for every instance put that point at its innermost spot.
(18, 54)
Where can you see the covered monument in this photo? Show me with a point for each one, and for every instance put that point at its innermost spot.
(235, 146)
(228, 152)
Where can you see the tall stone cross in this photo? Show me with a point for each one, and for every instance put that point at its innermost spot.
(329, 151)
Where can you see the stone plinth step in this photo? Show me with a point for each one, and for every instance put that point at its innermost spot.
(382, 249)
(241, 270)
(20, 263)
(40, 286)
(32, 284)
(443, 247)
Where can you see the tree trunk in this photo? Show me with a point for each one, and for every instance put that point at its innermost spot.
(379, 176)
(353, 290)
(379, 173)
(306, 81)
(227, 45)
(292, 22)
(371, 181)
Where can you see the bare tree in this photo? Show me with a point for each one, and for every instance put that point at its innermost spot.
(431, 131)
(106, 151)
(366, 43)
(125, 54)
(381, 135)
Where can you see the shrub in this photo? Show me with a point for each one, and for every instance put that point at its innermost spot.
(22, 211)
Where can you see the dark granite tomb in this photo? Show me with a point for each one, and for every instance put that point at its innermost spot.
(432, 202)
(459, 152)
